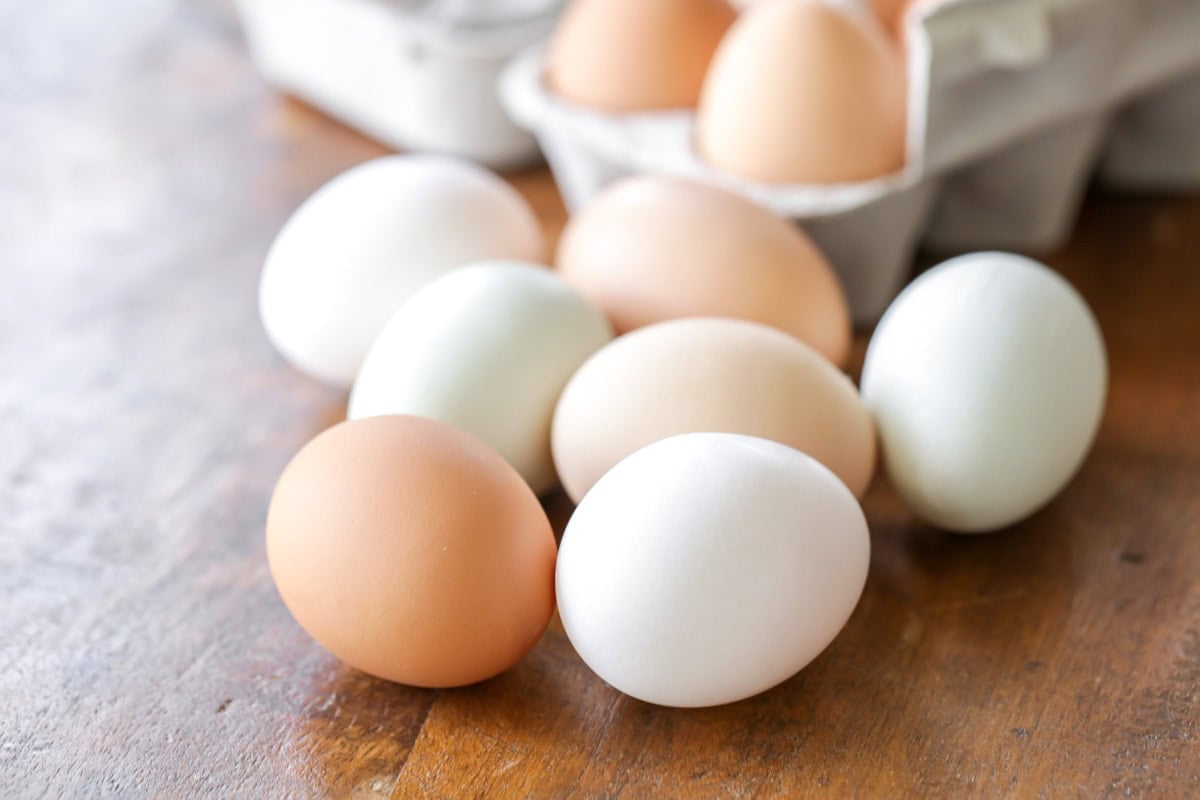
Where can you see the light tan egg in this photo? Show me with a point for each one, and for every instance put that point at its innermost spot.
(653, 248)
(631, 55)
(412, 551)
(801, 92)
(709, 375)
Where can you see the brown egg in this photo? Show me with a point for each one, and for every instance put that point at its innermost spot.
(892, 13)
(709, 375)
(412, 551)
(800, 92)
(632, 55)
(653, 248)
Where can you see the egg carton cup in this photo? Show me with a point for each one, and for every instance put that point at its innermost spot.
(1154, 144)
(1011, 104)
(1026, 197)
(413, 75)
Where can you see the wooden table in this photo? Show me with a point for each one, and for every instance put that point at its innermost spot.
(144, 419)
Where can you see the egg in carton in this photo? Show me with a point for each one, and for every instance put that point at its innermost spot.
(414, 74)
(1009, 105)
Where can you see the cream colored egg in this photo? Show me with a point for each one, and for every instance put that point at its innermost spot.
(802, 92)
(708, 374)
(652, 248)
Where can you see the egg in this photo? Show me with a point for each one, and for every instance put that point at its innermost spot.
(652, 248)
(708, 374)
(487, 348)
(860, 7)
(709, 567)
(892, 13)
(411, 551)
(987, 378)
(368, 239)
(802, 92)
(635, 55)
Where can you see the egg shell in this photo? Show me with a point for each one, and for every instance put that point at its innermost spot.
(365, 241)
(709, 567)
(802, 92)
(890, 12)
(411, 551)
(629, 55)
(862, 8)
(652, 248)
(893, 13)
(708, 374)
(987, 378)
(487, 348)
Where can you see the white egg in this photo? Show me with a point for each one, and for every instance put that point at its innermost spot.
(368, 239)
(487, 348)
(709, 567)
(986, 378)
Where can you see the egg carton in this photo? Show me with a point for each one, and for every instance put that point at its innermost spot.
(1011, 104)
(414, 74)
(1155, 142)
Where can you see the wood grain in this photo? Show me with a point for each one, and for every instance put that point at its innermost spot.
(144, 419)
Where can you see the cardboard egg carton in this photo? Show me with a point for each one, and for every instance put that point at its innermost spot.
(414, 74)
(1012, 105)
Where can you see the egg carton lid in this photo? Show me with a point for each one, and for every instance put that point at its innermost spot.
(971, 36)
(477, 28)
(661, 141)
(1060, 58)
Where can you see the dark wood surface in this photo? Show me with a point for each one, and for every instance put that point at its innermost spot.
(144, 419)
